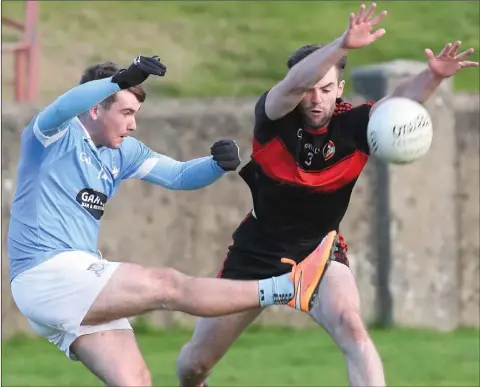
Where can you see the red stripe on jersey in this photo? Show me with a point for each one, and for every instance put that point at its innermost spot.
(278, 164)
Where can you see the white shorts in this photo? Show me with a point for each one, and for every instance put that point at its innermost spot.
(56, 295)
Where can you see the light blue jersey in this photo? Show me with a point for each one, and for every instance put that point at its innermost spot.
(64, 181)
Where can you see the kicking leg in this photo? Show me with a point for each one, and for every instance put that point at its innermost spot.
(211, 340)
(114, 357)
(339, 313)
(133, 289)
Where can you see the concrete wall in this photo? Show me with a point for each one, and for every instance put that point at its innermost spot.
(432, 254)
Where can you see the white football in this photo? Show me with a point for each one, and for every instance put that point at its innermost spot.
(399, 131)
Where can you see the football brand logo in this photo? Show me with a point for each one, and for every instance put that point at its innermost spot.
(97, 268)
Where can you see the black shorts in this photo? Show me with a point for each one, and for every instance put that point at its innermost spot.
(255, 255)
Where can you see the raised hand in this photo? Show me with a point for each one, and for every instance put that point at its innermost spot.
(359, 32)
(141, 68)
(449, 62)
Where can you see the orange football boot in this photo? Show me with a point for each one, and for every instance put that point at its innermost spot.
(307, 275)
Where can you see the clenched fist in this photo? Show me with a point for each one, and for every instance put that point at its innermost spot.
(226, 154)
(141, 68)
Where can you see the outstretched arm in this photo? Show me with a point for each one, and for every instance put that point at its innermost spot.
(178, 175)
(420, 87)
(287, 94)
(83, 97)
(74, 102)
(144, 164)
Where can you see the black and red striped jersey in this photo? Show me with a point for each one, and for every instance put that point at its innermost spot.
(301, 181)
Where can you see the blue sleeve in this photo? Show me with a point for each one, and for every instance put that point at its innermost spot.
(140, 162)
(54, 117)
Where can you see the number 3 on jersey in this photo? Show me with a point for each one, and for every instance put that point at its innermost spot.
(308, 161)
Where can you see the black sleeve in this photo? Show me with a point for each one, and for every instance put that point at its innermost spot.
(358, 118)
(265, 128)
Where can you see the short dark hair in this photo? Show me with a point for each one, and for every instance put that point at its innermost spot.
(306, 50)
(109, 69)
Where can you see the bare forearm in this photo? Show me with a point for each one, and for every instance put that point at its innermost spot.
(287, 94)
(418, 88)
(307, 73)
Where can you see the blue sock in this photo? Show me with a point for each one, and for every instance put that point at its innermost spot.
(276, 290)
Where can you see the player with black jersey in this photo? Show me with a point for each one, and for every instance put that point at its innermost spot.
(309, 149)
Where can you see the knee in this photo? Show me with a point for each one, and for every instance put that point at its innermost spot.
(351, 328)
(139, 378)
(190, 365)
(166, 286)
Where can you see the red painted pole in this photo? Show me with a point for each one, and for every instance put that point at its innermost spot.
(19, 79)
(26, 54)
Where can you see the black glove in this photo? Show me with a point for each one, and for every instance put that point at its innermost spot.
(226, 154)
(139, 71)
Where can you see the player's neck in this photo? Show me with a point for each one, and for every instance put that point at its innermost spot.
(317, 129)
(89, 131)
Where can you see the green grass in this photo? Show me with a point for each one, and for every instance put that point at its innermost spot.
(273, 357)
(233, 48)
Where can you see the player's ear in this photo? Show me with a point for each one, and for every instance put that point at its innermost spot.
(94, 112)
(341, 85)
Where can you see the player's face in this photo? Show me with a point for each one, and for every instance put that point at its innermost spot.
(118, 121)
(318, 105)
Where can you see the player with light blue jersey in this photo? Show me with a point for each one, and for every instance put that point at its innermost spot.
(73, 156)
(67, 178)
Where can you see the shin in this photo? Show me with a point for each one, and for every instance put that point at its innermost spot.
(339, 313)
(211, 340)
